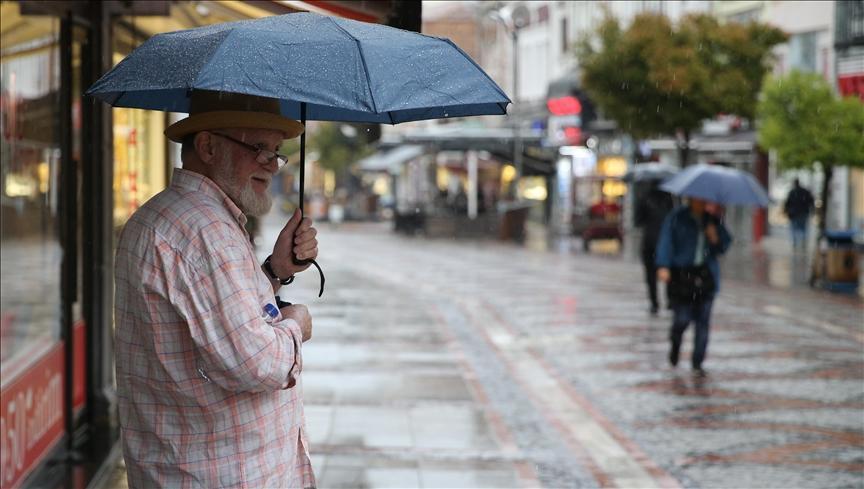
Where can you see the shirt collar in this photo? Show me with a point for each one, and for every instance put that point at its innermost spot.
(196, 182)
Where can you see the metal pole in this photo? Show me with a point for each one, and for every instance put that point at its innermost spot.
(302, 155)
(472, 184)
(517, 129)
(67, 235)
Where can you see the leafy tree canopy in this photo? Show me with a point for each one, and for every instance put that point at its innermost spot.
(656, 78)
(804, 122)
(336, 150)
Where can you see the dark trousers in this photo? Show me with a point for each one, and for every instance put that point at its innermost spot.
(799, 231)
(650, 274)
(700, 315)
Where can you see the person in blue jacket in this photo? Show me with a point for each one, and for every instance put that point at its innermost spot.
(690, 241)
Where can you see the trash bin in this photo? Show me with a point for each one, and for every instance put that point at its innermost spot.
(836, 263)
(841, 257)
(513, 217)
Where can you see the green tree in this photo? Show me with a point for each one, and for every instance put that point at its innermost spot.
(656, 77)
(338, 147)
(808, 126)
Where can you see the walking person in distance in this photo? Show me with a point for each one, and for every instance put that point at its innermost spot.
(690, 241)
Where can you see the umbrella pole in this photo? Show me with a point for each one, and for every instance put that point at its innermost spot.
(302, 154)
(302, 186)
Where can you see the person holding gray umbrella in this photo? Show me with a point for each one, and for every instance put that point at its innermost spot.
(690, 241)
(208, 357)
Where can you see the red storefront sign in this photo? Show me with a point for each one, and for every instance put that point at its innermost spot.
(568, 105)
(31, 410)
(851, 84)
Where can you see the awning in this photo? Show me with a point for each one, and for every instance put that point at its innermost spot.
(390, 160)
(743, 141)
(565, 85)
(536, 159)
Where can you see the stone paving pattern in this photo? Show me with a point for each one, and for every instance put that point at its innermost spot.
(523, 340)
(445, 363)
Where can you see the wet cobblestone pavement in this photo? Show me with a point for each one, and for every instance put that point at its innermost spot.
(441, 363)
(444, 363)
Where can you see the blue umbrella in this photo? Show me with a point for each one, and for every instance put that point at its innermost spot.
(319, 67)
(719, 184)
(342, 70)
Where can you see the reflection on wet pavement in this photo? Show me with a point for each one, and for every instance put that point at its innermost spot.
(508, 366)
(483, 364)
(387, 400)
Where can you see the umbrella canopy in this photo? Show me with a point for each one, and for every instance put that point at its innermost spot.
(650, 171)
(318, 67)
(343, 70)
(719, 184)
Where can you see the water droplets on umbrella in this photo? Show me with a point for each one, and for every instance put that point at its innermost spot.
(239, 57)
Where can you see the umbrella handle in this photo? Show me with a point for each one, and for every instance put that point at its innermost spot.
(313, 262)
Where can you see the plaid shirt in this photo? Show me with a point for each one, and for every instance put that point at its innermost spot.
(202, 377)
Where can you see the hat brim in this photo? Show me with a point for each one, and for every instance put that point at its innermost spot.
(222, 119)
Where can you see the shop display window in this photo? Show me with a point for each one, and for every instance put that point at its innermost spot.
(139, 160)
(31, 255)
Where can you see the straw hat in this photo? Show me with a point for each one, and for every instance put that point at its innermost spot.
(220, 110)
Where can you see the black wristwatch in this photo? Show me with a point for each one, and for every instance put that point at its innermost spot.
(269, 269)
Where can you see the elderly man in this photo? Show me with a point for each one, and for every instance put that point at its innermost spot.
(208, 364)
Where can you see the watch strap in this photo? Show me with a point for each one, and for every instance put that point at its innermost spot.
(268, 268)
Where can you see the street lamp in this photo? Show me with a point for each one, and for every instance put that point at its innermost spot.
(514, 19)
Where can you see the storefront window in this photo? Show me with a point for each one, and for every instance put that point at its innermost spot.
(30, 256)
(139, 160)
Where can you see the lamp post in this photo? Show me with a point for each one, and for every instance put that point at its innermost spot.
(514, 19)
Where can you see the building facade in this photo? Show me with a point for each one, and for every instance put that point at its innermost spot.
(849, 63)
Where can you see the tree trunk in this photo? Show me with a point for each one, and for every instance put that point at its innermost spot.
(826, 194)
(684, 147)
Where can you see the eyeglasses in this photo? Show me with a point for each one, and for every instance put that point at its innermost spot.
(262, 156)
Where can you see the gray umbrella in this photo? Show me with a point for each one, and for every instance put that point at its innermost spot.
(719, 184)
(650, 171)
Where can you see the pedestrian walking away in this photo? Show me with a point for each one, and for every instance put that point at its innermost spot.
(208, 357)
(690, 241)
(651, 210)
(798, 207)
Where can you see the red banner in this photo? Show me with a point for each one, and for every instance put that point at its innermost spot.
(851, 84)
(31, 410)
(31, 417)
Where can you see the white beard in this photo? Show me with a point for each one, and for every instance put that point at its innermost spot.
(243, 195)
